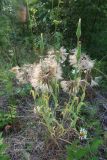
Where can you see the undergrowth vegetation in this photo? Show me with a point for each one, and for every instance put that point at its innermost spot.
(50, 102)
(3, 147)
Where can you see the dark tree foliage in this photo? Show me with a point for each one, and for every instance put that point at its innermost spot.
(57, 20)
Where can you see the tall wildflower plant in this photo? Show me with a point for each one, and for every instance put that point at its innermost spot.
(73, 107)
(70, 112)
(48, 83)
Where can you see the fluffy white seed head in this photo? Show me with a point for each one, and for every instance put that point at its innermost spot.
(85, 63)
(44, 72)
(63, 54)
(72, 60)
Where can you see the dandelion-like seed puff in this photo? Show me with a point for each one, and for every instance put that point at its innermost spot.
(85, 63)
(73, 57)
(63, 54)
(71, 86)
(73, 60)
(39, 75)
(44, 72)
(22, 73)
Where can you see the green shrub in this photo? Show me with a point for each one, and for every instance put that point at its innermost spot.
(7, 117)
(56, 19)
(3, 147)
(87, 151)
